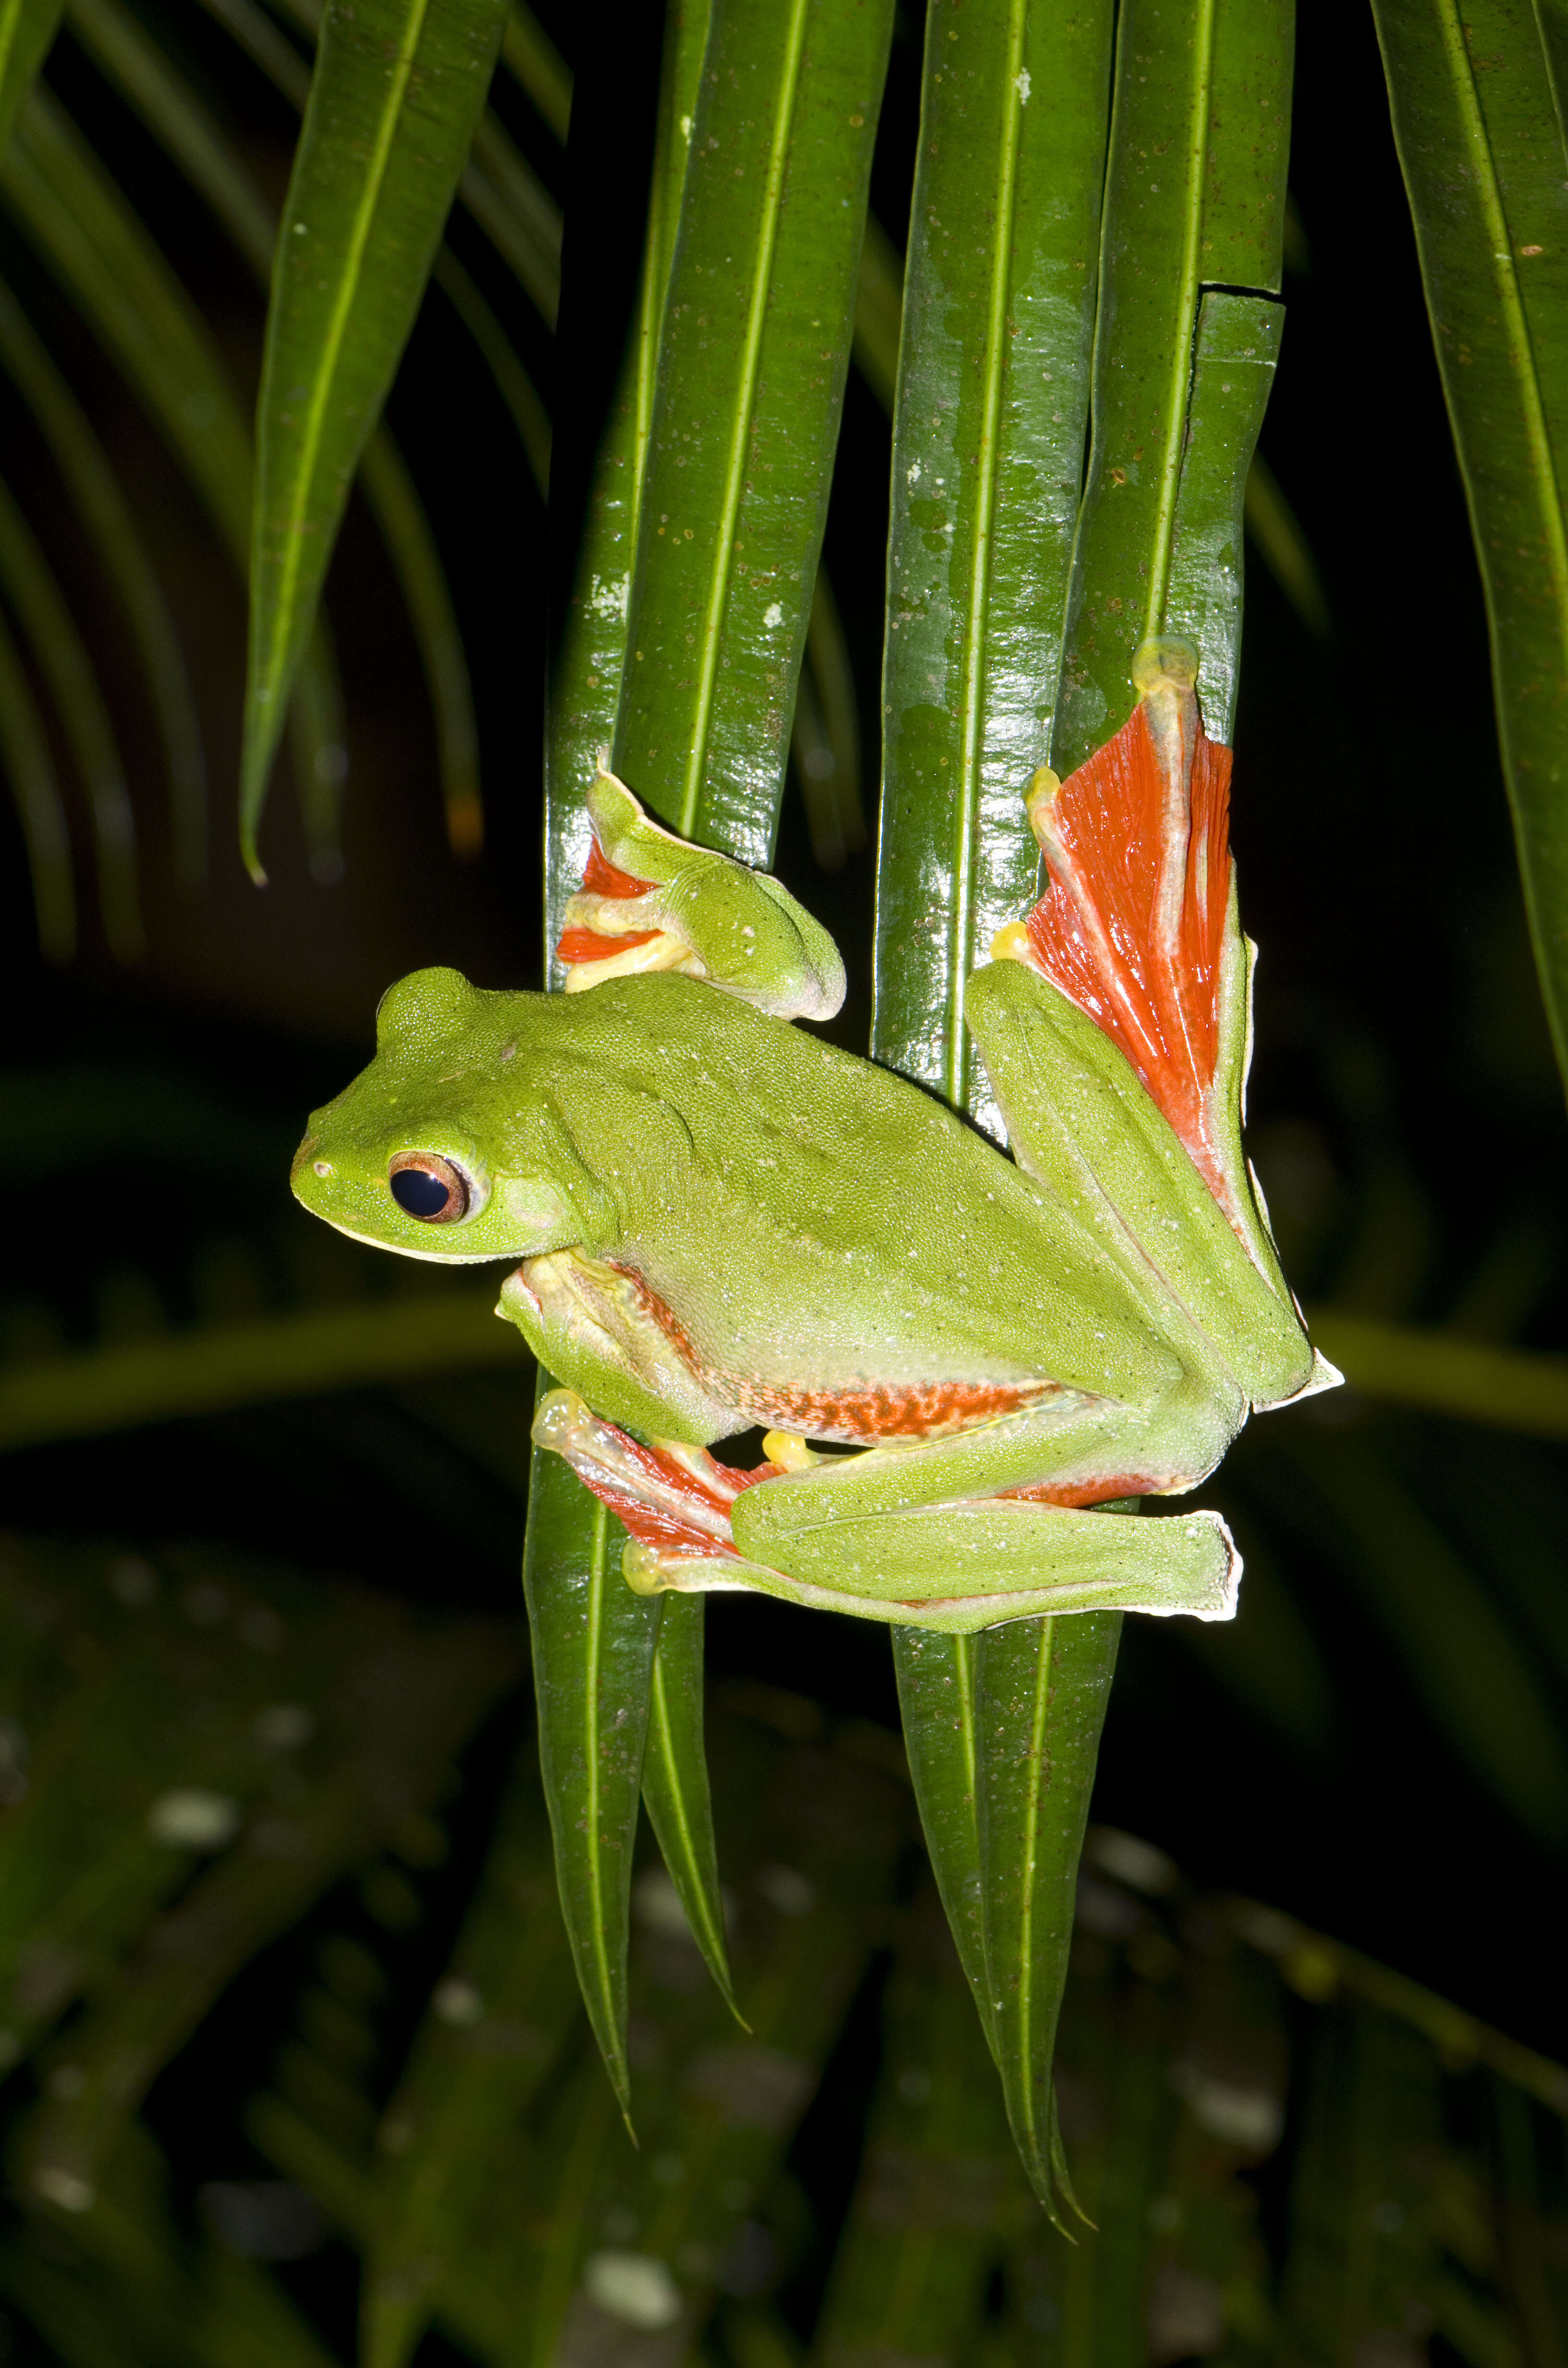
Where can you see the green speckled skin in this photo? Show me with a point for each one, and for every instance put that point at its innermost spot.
(717, 1220)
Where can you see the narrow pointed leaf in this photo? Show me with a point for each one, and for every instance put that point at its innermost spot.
(1476, 97)
(27, 35)
(1040, 1692)
(989, 436)
(87, 234)
(791, 107)
(584, 689)
(498, 188)
(398, 88)
(937, 1706)
(1195, 197)
(288, 75)
(190, 135)
(593, 1643)
(63, 660)
(750, 389)
(1234, 350)
(35, 791)
(94, 489)
(674, 1784)
(572, 1554)
(993, 410)
(1014, 608)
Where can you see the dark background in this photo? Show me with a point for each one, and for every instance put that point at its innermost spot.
(1406, 1114)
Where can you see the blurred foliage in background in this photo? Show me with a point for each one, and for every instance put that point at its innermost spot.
(296, 2067)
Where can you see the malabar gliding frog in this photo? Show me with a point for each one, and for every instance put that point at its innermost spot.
(716, 1220)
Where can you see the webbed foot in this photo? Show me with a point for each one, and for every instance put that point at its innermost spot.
(649, 902)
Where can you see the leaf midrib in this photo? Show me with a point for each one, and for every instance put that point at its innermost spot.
(740, 428)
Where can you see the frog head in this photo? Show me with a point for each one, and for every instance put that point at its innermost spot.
(411, 1156)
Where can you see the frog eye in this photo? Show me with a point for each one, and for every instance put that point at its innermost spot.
(429, 1188)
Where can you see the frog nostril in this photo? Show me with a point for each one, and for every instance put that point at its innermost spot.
(427, 1186)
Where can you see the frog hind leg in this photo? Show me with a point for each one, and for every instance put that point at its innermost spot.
(1138, 936)
(963, 1567)
(852, 1533)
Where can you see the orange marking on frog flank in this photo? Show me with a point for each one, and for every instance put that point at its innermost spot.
(886, 1409)
(1132, 926)
(602, 878)
(1071, 1494)
(855, 1417)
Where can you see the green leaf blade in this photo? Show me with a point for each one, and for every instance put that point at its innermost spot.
(675, 1789)
(1480, 143)
(594, 1644)
(1195, 196)
(1016, 600)
(992, 412)
(1235, 347)
(397, 92)
(569, 1537)
(1040, 1693)
(937, 1706)
(751, 381)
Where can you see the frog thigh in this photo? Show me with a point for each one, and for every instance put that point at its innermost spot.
(960, 1568)
(1081, 1120)
(1091, 1449)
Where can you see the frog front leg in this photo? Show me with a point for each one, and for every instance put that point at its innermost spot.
(651, 901)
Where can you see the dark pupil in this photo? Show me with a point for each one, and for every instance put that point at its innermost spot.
(421, 1194)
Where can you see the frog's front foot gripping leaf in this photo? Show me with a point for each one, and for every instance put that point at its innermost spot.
(649, 902)
(1114, 1023)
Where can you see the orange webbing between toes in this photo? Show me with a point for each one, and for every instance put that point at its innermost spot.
(587, 945)
(601, 878)
(1125, 850)
(656, 1525)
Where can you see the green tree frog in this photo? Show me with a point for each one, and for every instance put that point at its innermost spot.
(717, 1221)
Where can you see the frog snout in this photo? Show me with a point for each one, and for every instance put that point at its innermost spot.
(300, 1162)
